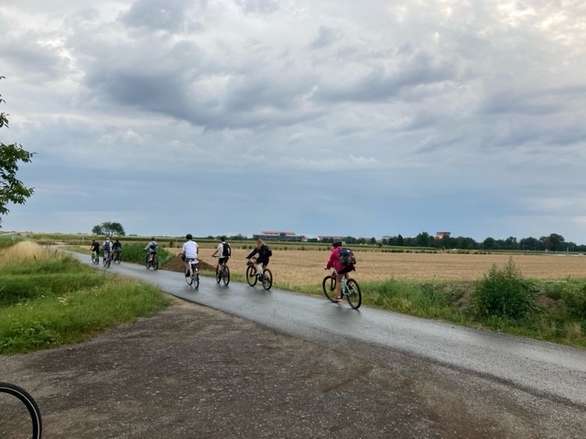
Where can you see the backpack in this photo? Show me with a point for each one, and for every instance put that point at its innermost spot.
(269, 251)
(226, 250)
(107, 246)
(347, 257)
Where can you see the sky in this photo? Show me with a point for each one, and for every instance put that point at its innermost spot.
(366, 118)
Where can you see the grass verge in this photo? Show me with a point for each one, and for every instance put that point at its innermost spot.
(50, 300)
(559, 314)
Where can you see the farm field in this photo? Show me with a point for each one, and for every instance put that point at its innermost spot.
(297, 267)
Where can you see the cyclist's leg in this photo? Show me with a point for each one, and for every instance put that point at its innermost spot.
(339, 277)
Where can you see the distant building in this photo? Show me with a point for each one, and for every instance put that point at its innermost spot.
(330, 238)
(442, 235)
(270, 235)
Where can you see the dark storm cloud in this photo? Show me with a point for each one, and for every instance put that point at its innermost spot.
(453, 103)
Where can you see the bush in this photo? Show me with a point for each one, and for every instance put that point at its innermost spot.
(504, 293)
(574, 297)
(136, 253)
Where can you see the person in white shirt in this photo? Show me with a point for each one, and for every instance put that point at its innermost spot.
(223, 253)
(189, 254)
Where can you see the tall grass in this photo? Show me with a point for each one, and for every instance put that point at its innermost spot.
(48, 299)
(546, 310)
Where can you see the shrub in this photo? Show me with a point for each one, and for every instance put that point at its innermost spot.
(136, 253)
(574, 297)
(504, 293)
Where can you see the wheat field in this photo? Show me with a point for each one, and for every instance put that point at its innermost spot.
(298, 267)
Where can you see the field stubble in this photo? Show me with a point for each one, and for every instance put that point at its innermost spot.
(297, 267)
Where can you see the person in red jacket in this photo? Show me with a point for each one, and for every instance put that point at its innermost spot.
(335, 262)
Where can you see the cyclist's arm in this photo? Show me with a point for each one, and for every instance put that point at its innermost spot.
(252, 253)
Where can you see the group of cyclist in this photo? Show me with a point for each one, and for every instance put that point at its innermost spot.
(340, 260)
(112, 250)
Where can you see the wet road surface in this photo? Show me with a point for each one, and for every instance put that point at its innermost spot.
(540, 368)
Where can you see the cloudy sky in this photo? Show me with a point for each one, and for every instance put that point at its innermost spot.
(363, 117)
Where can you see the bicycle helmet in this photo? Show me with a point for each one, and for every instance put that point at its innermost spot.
(188, 237)
(337, 244)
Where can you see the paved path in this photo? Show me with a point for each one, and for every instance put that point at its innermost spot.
(540, 368)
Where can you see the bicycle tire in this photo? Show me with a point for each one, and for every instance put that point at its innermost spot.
(354, 295)
(196, 281)
(218, 275)
(329, 287)
(226, 276)
(267, 281)
(251, 278)
(30, 404)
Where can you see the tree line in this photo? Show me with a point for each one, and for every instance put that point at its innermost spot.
(552, 242)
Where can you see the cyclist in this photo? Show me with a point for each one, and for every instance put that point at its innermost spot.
(341, 269)
(107, 247)
(223, 253)
(117, 250)
(95, 249)
(189, 254)
(151, 249)
(263, 255)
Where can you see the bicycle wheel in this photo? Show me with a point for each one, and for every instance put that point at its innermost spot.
(11, 411)
(353, 294)
(329, 287)
(156, 264)
(218, 275)
(195, 283)
(251, 275)
(226, 276)
(267, 279)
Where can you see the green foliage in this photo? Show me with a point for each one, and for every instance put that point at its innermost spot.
(109, 228)
(74, 316)
(504, 293)
(57, 264)
(57, 301)
(136, 253)
(21, 288)
(12, 190)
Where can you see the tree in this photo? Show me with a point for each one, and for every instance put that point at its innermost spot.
(109, 228)
(553, 242)
(12, 190)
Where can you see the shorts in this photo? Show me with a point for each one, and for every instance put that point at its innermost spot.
(222, 261)
(345, 271)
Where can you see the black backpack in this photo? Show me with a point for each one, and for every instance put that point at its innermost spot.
(347, 257)
(226, 250)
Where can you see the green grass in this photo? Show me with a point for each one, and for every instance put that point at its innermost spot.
(47, 303)
(135, 253)
(559, 315)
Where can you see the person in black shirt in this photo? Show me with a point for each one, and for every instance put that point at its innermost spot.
(263, 255)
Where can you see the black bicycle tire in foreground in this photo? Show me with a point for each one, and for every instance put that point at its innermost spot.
(30, 404)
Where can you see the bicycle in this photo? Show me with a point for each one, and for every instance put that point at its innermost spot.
(253, 276)
(192, 274)
(152, 261)
(95, 258)
(117, 259)
(349, 290)
(107, 260)
(31, 406)
(223, 274)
